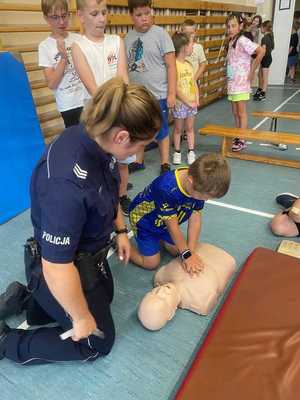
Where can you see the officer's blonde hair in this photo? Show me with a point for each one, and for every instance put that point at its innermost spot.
(128, 106)
(211, 175)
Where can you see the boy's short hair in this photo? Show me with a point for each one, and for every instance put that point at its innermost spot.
(80, 4)
(132, 4)
(48, 5)
(180, 39)
(211, 175)
(189, 22)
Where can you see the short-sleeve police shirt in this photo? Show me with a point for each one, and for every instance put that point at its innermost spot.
(74, 196)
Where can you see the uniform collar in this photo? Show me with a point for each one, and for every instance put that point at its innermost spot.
(94, 149)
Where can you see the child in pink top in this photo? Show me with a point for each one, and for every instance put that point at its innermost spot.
(240, 72)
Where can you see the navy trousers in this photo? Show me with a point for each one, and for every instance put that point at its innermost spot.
(43, 345)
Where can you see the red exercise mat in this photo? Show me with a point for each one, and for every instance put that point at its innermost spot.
(252, 351)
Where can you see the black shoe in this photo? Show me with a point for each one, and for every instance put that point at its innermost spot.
(4, 330)
(165, 168)
(125, 203)
(135, 166)
(286, 200)
(13, 300)
(129, 186)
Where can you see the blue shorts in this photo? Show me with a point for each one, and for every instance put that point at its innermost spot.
(148, 243)
(164, 130)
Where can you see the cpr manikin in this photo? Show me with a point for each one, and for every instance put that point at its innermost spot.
(176, 288)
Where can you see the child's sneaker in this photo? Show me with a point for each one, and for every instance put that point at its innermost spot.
(165, 168)
(177, 157)
(238, 144)
(135, 166)
(261, 96)
(191, 157)
(125, 203)
(286, 200)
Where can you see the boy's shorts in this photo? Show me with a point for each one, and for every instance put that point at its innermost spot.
(164, 130)
(148, 243)
(239, 97)
(182, 111)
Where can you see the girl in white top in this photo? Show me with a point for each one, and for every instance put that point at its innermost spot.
(55, 56)
(99, 57)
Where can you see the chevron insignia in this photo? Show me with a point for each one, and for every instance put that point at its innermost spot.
(80, 173)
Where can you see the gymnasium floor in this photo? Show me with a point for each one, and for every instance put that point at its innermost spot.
(148, 365)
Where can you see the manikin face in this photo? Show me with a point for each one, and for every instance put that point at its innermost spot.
(159, 306)
(94, 18)
(142, 19)
(233, 28)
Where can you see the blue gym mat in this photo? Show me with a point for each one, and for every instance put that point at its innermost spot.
(21, 137)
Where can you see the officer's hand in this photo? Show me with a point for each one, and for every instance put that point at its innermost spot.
(123, 246)
(83, 327)
(193, 265)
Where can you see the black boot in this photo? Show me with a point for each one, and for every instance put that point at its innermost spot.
(13, 300)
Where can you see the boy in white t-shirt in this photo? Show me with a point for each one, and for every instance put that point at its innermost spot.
(55, 56)
(99, 57)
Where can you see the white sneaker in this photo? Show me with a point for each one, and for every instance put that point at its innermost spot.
(191, 157)
(176, 158)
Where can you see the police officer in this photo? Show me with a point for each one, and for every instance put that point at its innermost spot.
(74, 210)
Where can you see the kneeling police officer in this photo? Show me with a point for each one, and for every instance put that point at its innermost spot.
(74, 210)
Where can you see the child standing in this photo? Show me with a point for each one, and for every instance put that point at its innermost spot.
(151, 62)
(197, 58)
(267, 44)
(240, 72)
(293, 56)
(187, 98)
(55, 57)
(99, 57)
(171, 199)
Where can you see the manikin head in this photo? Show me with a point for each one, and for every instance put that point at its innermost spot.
(159, 306)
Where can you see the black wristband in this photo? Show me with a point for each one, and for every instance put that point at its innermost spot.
(120, 231)
(185, 254)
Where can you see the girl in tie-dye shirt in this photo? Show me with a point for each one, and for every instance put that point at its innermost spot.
(240, 71)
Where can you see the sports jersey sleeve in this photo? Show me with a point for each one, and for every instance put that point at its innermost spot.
(63, 217)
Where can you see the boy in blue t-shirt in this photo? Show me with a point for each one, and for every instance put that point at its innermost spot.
(171, 199)
(151, 62)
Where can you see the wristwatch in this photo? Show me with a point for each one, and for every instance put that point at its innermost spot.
(120, 231)
(185, 254)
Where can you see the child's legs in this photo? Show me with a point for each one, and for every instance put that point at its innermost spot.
(235, 113)
(242, 113)
(189, 128)
(123, 171)
(283, 225)
(178, 128)
(260, 78)
(147, 253)
(292, 71)
(265, 78)
(162, 137)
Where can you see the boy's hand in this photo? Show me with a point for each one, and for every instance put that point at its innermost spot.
(193, 264)
(171, 100)
(61, 47)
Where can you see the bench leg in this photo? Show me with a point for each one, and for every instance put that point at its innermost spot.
(224, 147)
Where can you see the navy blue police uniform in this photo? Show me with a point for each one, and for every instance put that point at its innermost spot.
(74, 201)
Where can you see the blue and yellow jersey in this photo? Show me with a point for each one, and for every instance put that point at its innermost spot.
(163, 199)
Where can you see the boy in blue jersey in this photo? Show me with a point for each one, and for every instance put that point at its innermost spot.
(171, 199)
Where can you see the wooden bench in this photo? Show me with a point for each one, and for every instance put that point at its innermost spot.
(228, 133)
(294, 116)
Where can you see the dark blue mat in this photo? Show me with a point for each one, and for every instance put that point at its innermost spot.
(21, 137)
